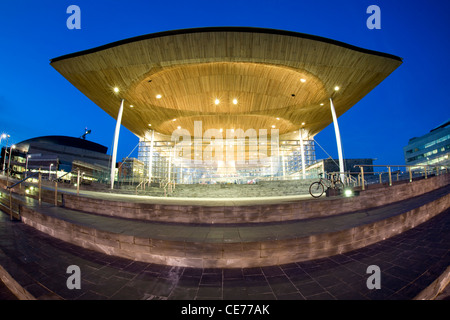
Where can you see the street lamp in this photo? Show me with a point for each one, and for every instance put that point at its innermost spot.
(6, 149)
(9, 160)
(26, 166)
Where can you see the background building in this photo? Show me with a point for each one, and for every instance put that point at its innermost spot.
(432, 148)
(60, 154)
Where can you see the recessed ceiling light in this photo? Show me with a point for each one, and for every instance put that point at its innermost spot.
(336, 88)
(303, 123)
(178, 127)
(235, 101)
(321, 104)
(221, 130)
(273, 126)
(303, 80)
(116, 89)
(174, 120)
(149, 124)
(158, 96)
(131, 106)
(278, 118)
(217, 101)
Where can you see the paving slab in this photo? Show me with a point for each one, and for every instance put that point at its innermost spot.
(409, 262)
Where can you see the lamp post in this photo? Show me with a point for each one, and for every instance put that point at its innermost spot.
(26, 166)
(3, 136)
(6, 149)
(9, 160)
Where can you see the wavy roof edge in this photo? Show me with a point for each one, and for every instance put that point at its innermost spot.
(224, 29)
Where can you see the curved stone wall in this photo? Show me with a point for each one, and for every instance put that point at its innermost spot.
(283, 211)
(264, 250)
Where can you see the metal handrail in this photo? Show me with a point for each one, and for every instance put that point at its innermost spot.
(426, 166)
(19, 182)
(169, 184)
(65, 174)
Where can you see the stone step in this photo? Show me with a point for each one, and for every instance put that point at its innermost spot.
(235, 245)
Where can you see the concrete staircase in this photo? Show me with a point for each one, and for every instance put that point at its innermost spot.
(262, 189)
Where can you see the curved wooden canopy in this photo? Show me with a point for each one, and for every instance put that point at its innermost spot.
(226, 77)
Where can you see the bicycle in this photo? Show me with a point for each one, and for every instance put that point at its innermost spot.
(317, 188)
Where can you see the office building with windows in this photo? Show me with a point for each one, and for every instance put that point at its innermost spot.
(432, 148)
(54, 155)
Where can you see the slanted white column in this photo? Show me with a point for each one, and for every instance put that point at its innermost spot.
(116, 142)
(302, 152)
(338, 140)
(150, 165)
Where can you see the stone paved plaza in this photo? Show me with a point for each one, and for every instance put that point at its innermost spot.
(409, 262)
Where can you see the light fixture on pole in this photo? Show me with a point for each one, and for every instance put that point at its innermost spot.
(26, 165)
(6, 150)
(9, 160)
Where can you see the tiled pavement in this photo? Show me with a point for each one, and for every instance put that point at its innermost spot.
(408, 262)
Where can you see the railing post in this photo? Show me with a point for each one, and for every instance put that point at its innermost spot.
(410, 174)
(390, 176)
(40, 187)
(362, 178)
(10, 205)
(56, 193)
(381, 180)
(426, 173)
(78, 182)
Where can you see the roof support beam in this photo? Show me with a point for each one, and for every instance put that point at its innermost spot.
(116, 142)
(338, 140)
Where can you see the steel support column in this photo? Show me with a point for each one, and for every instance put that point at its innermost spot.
(116, 142)
(338, 140)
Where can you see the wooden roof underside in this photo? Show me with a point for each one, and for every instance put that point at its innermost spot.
(260, 68)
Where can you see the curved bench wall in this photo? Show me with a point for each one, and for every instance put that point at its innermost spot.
(222, 254)
(290, 211)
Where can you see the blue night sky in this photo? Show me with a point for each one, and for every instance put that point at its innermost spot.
(35, 100)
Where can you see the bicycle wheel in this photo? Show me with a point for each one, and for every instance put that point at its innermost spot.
(316, 189)
(339, 185)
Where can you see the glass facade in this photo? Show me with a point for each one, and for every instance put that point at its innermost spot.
(432, 148)
(274, 160)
